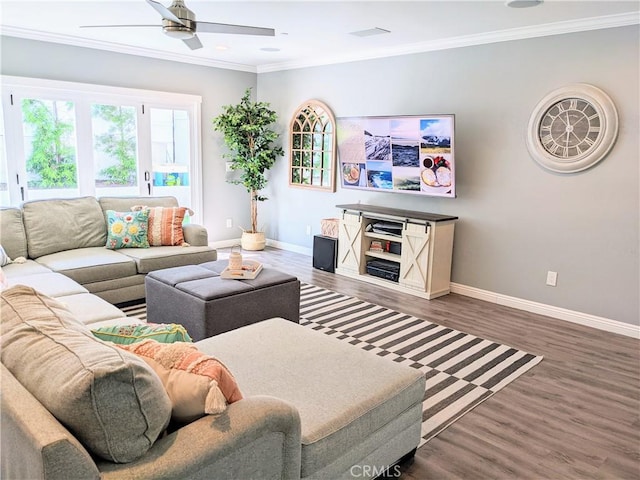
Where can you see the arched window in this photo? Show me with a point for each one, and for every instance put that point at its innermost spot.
(313, 144)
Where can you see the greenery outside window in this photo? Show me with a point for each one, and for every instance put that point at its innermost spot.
(313, 144)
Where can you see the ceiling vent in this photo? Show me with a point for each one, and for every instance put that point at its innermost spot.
(522, 3)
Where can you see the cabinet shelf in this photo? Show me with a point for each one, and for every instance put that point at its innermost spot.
(393, 257)
(382, 236)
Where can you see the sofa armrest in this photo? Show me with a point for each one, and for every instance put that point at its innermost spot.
(34, 444)
(195, 235)
(257, 437)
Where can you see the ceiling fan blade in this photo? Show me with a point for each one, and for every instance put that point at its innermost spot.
(209, 27)
(193, 43)
(164, 12)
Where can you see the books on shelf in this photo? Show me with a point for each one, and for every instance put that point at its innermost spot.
(376, 246)
(250, 270)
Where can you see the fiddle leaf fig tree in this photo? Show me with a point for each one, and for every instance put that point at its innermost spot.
(247, 132)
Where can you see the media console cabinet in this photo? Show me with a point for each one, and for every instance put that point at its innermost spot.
(415, 248)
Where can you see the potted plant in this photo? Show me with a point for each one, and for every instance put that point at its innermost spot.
(247, 132)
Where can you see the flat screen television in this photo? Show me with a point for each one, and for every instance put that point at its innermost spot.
(403, 154)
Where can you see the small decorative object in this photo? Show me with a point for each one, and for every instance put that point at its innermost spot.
(376, 246)
(235, 260)
(329, 227)
(247, 132)
(248, 271)
(572, 128)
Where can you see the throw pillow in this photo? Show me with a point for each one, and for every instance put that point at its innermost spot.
(4, 258)
(165, 225)
(127, 334)
(108, 398)
(127, 229)
(197, 384)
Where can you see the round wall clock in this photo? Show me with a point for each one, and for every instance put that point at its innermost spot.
(572, 128)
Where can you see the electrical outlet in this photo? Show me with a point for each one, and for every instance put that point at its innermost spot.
(229, 222)
(552, 278)
(227, 167)
(308, 229)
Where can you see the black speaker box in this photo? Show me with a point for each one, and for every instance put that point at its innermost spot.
(325, 252)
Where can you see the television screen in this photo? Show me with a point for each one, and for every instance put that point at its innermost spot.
(406, 154)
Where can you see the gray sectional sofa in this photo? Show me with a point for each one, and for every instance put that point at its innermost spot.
(68, 236)
(314, 407)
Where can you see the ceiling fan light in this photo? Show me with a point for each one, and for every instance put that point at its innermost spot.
(181, 34)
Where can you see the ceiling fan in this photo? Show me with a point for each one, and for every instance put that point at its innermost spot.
(180, 22)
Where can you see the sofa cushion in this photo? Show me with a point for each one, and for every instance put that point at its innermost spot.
(128, 334)
(65, 224)
(30, 267)
(12, 235)
(90, 309)
(50, 283)
(344, 394)
(108, 398)
(90, 265)
(127, 229)
(197, 384)
(156, 258)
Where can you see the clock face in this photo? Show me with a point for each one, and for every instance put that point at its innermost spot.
(572, 128)
(569, 128)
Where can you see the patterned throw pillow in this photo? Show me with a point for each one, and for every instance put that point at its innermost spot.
(127, 334)
(127, 229)
(165, 224)
(197, 384)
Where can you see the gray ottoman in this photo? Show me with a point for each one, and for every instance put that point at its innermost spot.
(196, 297)
(360, 413)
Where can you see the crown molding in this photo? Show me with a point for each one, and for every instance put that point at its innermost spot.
(521, 33)
(120, 48)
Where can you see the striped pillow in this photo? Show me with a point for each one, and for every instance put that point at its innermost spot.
(165, 225)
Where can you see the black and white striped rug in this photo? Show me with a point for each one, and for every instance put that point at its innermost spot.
(461, 370)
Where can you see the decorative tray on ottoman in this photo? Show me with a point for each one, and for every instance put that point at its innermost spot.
(250, 270)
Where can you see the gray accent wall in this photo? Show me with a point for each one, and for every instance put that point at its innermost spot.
(517, 220)
(217, 87)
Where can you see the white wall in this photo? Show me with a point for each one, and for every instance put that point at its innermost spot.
(517, 220)
(217, 87)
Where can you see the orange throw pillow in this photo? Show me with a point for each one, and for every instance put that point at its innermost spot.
(165, 225)
(197, 384)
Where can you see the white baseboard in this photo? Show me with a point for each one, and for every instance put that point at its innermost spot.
(586, 319)
(601, 323)
(271, 243)
(290, 247)
(225, 243)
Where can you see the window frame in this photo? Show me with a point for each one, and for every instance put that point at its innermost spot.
(83, 95)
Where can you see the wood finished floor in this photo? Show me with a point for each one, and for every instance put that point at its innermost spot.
(574, 416)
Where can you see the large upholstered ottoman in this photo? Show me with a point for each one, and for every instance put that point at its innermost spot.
(206, 304)
(360, 413)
